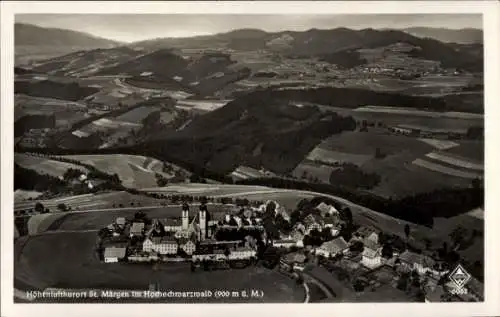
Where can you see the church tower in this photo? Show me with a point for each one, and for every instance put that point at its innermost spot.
(185, 216)
(203, 221)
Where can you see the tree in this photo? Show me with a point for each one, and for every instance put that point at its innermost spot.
(387, 250)
(39, 207)
(271, 208)
(407, 231)
(358, 286)
(346, 215)
(357, 246)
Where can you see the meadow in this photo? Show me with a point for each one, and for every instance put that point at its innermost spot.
(44, 165)
(134, 171)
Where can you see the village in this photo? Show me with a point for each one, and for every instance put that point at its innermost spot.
(316, 243)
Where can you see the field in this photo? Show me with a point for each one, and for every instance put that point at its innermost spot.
(307, 168)
(134, 171)
(66, 112)
(86, 201)
(399, 177)
(20, 194)
(74, 264)
(366, 143)
(420, 113)
(137, 115)
(336, 157)
(405, 165)
(440, 144)
(202, 104)
(45, 166)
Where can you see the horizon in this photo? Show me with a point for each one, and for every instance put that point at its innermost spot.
(124, 27)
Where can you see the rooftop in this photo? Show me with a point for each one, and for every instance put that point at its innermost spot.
(115, 252)
(371, 253)
(412, 257)
(137, 227)
(335, 245)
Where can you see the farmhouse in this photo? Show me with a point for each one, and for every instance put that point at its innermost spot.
(113, 254)
(333, 247)
(421, 263)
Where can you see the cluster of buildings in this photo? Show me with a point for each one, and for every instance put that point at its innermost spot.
(173, 239)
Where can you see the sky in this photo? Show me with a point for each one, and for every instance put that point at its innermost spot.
(135, 27)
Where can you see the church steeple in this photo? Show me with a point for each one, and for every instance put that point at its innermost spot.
(185, 216)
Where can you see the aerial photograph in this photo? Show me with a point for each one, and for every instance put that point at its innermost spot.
(237, 158)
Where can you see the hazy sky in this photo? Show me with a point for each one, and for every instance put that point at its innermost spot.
(129, 27)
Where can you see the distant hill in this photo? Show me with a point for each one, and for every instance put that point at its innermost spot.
(316, 42)
(34, 42)
(462, 36)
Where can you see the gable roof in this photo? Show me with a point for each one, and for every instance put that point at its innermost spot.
(115, 252)
(172, 222)
(412, 257)
(335, 245)
(137, 227)
(371, 253)
(120, 221)
(294, 257)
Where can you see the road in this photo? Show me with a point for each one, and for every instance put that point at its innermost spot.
(310, 279)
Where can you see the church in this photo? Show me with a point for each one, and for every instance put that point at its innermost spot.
(187, 227)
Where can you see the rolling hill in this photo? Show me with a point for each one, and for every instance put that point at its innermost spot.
(461, 36)
(34, 42)
(315, 42)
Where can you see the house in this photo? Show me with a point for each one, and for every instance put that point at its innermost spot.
(287, 243)
(326, 209)
(187, 246)
(113, 254)
(371, 258)
(421, 263)
(333, 247)
(161, 245)
(312, 222)
(137, 229)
